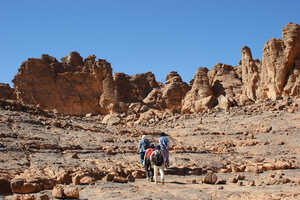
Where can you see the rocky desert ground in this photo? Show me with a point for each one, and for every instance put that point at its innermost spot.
(69, 129)
(253, 150)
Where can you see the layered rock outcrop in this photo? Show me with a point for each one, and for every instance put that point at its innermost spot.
(280, 64)
(79, 87)
(200, 97)
(6, 92)
(170, 96)
(226, 84)
(69, 87)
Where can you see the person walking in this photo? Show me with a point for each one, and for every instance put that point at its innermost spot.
(164, 145)
(142, 147)
(158, 161)
(147, 163)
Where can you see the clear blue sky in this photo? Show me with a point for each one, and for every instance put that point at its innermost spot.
(136, 36)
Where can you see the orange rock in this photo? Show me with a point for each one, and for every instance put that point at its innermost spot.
(23, 187)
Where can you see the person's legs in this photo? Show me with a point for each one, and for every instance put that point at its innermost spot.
(167, 158)
(162, 174)
(155, 173)
(147, 168)
(142, 155)
(151, 172)
(165, 153)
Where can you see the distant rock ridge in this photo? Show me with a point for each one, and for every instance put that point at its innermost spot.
(77, 86)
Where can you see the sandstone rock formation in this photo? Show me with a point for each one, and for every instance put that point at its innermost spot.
(80, 86)
(280, 64)
(200, 97)
(132, 89)
(68, 87)
(226, 84)
(76, 87)
(225, 80)
(170, 95)
(6, 92)
(250, 73)
(174, 91)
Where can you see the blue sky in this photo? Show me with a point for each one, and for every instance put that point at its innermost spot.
(136, 36)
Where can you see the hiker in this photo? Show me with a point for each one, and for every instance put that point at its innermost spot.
(158, 161)
(164, 145)
(147, 165)
(143, 145)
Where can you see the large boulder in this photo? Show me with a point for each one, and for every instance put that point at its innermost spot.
(65, 192)
(200, 97)
(23, 186)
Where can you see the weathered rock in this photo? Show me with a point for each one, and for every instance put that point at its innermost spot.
(200, 97)
(71, 192)
(23, 187)
(133, 88)
(174, 91)
(224, 80)
(65, 192)
(111, 119)
(130, 178)
(4, 186)
(58, 192)
(43, 197)
(210, 178)
(73, 58)
(23, 197)
(6, 92)
(170, 95)
(109, 178)
(138, 174)
(66, 87)
(250, 73)
(223, 103)
(86, 180)
(280, 64)
(118, 179)
(76, 179)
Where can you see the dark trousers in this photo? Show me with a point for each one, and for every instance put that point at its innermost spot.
(148, 169)
(142, 155)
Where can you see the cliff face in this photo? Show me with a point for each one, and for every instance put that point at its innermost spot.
(70, 87)
(79, 86)
(280, 64)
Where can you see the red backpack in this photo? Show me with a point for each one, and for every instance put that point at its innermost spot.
(149, 152)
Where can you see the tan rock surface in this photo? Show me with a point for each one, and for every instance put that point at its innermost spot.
(280, 64)
(66, 87)
(200, 97)
(250, 73)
